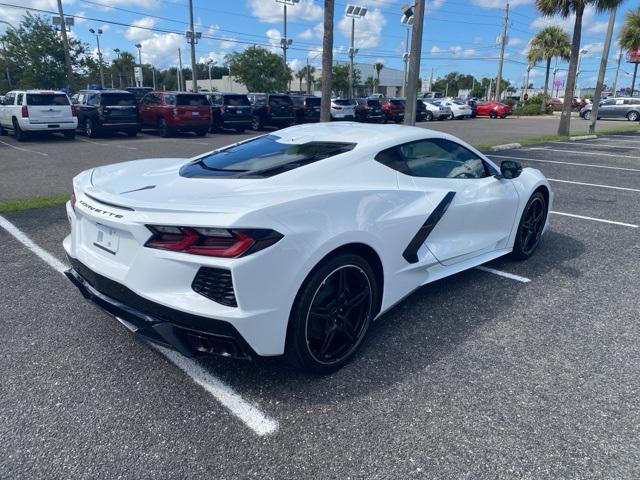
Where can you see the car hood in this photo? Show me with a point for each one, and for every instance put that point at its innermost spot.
(156, 184)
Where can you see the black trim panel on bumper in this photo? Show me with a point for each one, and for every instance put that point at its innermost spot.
(189, 334)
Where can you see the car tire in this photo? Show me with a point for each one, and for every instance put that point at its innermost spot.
(633, 116)
(18, 133)
(3, 131)
(163, 128)
(493, 114)
(324, 330)
(256, 123)
(534, 217)
(89, 129)
(451, 116)
(132, 133)
(587, 115)
(69, 134)
(429, 116)
(202, 132)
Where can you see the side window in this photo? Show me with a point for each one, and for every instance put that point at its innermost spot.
(434, 158)
(168, 100)
(93, 100)
(19, 99)
(217, 100)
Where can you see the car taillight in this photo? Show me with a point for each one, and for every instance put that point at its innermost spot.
(74, 113)
(25, 111)
(212, 242)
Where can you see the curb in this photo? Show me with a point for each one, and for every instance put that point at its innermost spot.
(506, 146)
(583, 137)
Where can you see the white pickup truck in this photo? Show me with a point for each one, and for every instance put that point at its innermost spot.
(25, 111)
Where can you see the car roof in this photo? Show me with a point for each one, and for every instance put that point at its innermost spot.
(37, 91)
(370, 135)
(106, 90)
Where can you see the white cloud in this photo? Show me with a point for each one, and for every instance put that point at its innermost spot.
(228, 43)
(133, 33)
(593, 49)
(306, 34)
(368, 30)
(273, 37)
(500, 3)
(295, 64)
(268, 11)
(589, 23)
(515, 41)
(217, 57)
(454, 50)
(161, 50)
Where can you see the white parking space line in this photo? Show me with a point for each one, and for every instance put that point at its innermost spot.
(597, 145)
(500, 273)
(104, 144)
(19, 235)
(582, 152)
(602, 220)
(249, 414)
(24, 149)
(567, 163)
(594, 185)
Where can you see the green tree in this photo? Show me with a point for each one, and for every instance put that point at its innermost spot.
(33, 55)
(629, 38)
(550, 42)
(378, 66)
(565, 8)
(259, 69)
(300, 75)
(369, 85)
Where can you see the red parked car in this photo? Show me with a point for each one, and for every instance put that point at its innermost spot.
(493, 109)
(170, 112)
(393, 109)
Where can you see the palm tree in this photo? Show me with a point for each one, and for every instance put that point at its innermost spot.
(369, 84)
(630, 38)
(327, 61)
(550, 42)
(309, 70)
(378, 66)
(565, 8)
(300, 75)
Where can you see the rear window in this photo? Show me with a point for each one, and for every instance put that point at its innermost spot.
(298, 101)
(118, 100)
(46, 99)
(340, 101)
(261, 157)
(373, 103)
(399, 103)
(313, 101)
(236, 100)
(192, 100)
(279, 100)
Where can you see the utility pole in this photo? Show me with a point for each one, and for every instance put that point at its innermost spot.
(65, 43)
(503, 43)
(327, 61)
(351, 54)
(97, 34)
(603, 69)
(614, 88)
(193, 40)
(285, 42)
(414, 63)
(181, 83)
(526, 82)
(153, 73)
(490, 89)
(405, 59)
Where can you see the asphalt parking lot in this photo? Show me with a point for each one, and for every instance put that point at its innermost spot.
(520, 370)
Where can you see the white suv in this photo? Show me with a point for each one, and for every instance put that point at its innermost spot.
(343, 109)
(24, 111)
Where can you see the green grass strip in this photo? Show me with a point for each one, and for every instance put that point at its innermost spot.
(9, 206)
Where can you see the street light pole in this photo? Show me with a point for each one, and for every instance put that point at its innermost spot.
(210, 64)
(97, 34)
(414, 63)
(405, 59)
(181, 82)
(139, 47)
(193, 41)
(353, 12)
(285, 42)
(603, 68)
(580, 54)
(614, 88)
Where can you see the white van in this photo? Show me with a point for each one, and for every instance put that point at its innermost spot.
(24, 111)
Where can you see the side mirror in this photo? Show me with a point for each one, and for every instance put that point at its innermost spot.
(510, 169)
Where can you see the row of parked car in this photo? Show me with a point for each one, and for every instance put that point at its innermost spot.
(111, 110)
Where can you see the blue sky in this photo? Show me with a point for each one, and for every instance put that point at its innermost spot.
(459, 35)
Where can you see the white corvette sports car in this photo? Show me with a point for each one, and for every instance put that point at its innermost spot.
(293, 242)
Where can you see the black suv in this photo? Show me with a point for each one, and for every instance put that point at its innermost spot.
(421, 111)
(139, 92)
(106, 110)
(369, 110)
(229, 110)
(307, 108)
(271, 110)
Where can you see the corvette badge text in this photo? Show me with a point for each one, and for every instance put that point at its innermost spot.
(99, 210)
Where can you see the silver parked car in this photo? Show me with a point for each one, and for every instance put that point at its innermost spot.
(620, 107)
(343, 109)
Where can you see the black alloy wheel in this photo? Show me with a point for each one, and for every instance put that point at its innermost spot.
(429, 116)
(530, 228)
(587, 115)
(332, 314)
(88, 128)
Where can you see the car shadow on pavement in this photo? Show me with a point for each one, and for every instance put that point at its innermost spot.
(427, 326)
